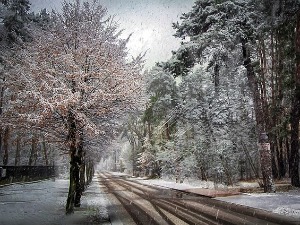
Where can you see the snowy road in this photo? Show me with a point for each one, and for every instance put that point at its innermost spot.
(34, 203)
(157, 205)
(44, 203)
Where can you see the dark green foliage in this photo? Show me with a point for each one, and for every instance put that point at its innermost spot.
(20, 7)
(4, 2)
(16, 20)
(41, 19)
(210, 24)
(148, 114)
(176, 68)
(195, 22)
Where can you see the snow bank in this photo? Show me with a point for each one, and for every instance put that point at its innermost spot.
(44, 203)
(284, 203)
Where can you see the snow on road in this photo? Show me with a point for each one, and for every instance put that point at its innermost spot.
(44, 203)
(34, 203)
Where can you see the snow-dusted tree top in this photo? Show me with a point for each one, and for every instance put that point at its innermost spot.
(77, 63)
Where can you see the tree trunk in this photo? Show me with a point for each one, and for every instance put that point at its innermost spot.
(72, 186)
(1, 147)
(266, 163)
(18, 152)
(265, 154)
(1, 110)
(250, 161)
(33, 152)
(167, 130)
(89, 171)
(74, 168)
(288, 153)
(82, 174)
(149, 130)
(274, 150)
(5, 145)
(295, 115)
(203, 173)
(280, 159)
(226, 170)
(217, 78)
(45, 153)
(132, 142)
(80, 181)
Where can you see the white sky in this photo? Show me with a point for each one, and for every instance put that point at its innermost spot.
(150, 21)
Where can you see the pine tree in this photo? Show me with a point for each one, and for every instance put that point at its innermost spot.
(222, 26)
(16, 20)
(279, 81)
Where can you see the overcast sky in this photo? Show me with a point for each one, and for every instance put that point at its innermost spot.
(150, 21)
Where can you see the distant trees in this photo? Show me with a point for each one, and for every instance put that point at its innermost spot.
(74, 80)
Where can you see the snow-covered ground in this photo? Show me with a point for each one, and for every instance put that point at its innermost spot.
(44, 203)
(284, 203)
(171, 184)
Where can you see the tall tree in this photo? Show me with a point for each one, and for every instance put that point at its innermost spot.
(278, 81)
(160, 115)
(295, 113)
(75, 75)
(212, 25)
